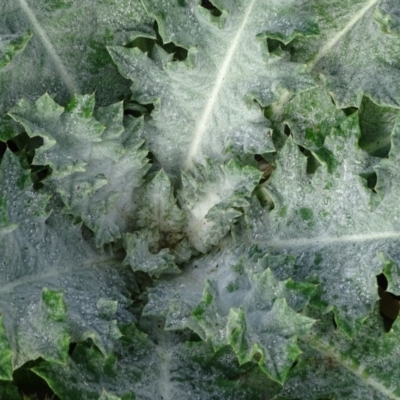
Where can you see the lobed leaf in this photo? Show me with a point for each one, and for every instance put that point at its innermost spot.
(96, 163)
(208, 102)
(66, 54)
(356, 51)
(232, 298)
(365, 366)
(54, 286)
(331, 223)
(147, 367)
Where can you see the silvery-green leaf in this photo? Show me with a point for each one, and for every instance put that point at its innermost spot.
(163, 365)
(310, 115)
(66, 54)
(209, 200)
(187, 289)
(335, 367)
(176, 297)
(206, 102)
(107, 396)
(281, 20)
(97, 162)
(6, 355)
(10, 45)
(211, 196)
(9, 128)
(387, 15)
(70, 130)
(54, 286)
(158, 216)
(141, 259)
(250, 311)
(356, 52)
(331, 224)
(232, 298)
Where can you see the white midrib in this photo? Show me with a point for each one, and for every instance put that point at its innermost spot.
(201, 126)
(165, 366)
(278, 107)
(65, 76)
(320, 240)
(327, 47)
(328, 351)
(42, 277)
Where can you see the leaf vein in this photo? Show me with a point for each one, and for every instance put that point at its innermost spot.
(219, 82)
(328, 46)
(59, 65)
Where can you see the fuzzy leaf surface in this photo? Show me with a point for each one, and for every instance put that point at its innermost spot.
(332, 223)
(211, 196)
(309, 115)
(66, 54)
(207, 204)
(158, 217)
(231, 298)
(96, 161)
(355, 53)
(54, 286)
(205, 103)
(10, 45)
(365, 366)
(146, 367)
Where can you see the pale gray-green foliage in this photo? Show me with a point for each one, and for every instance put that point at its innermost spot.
(232, 298)
(10, 44)
(310, 115)
(250, 311)
(331, 222)
(259, 275)
(42, 252)
(139, 257)
(356, 52)
(211, 196)
(161, 223)
(391, 270)
(339, 368)
(207, 203)
(160, 365)
(66, 54)
(387, 171)
(97, 183)
(205, 103)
